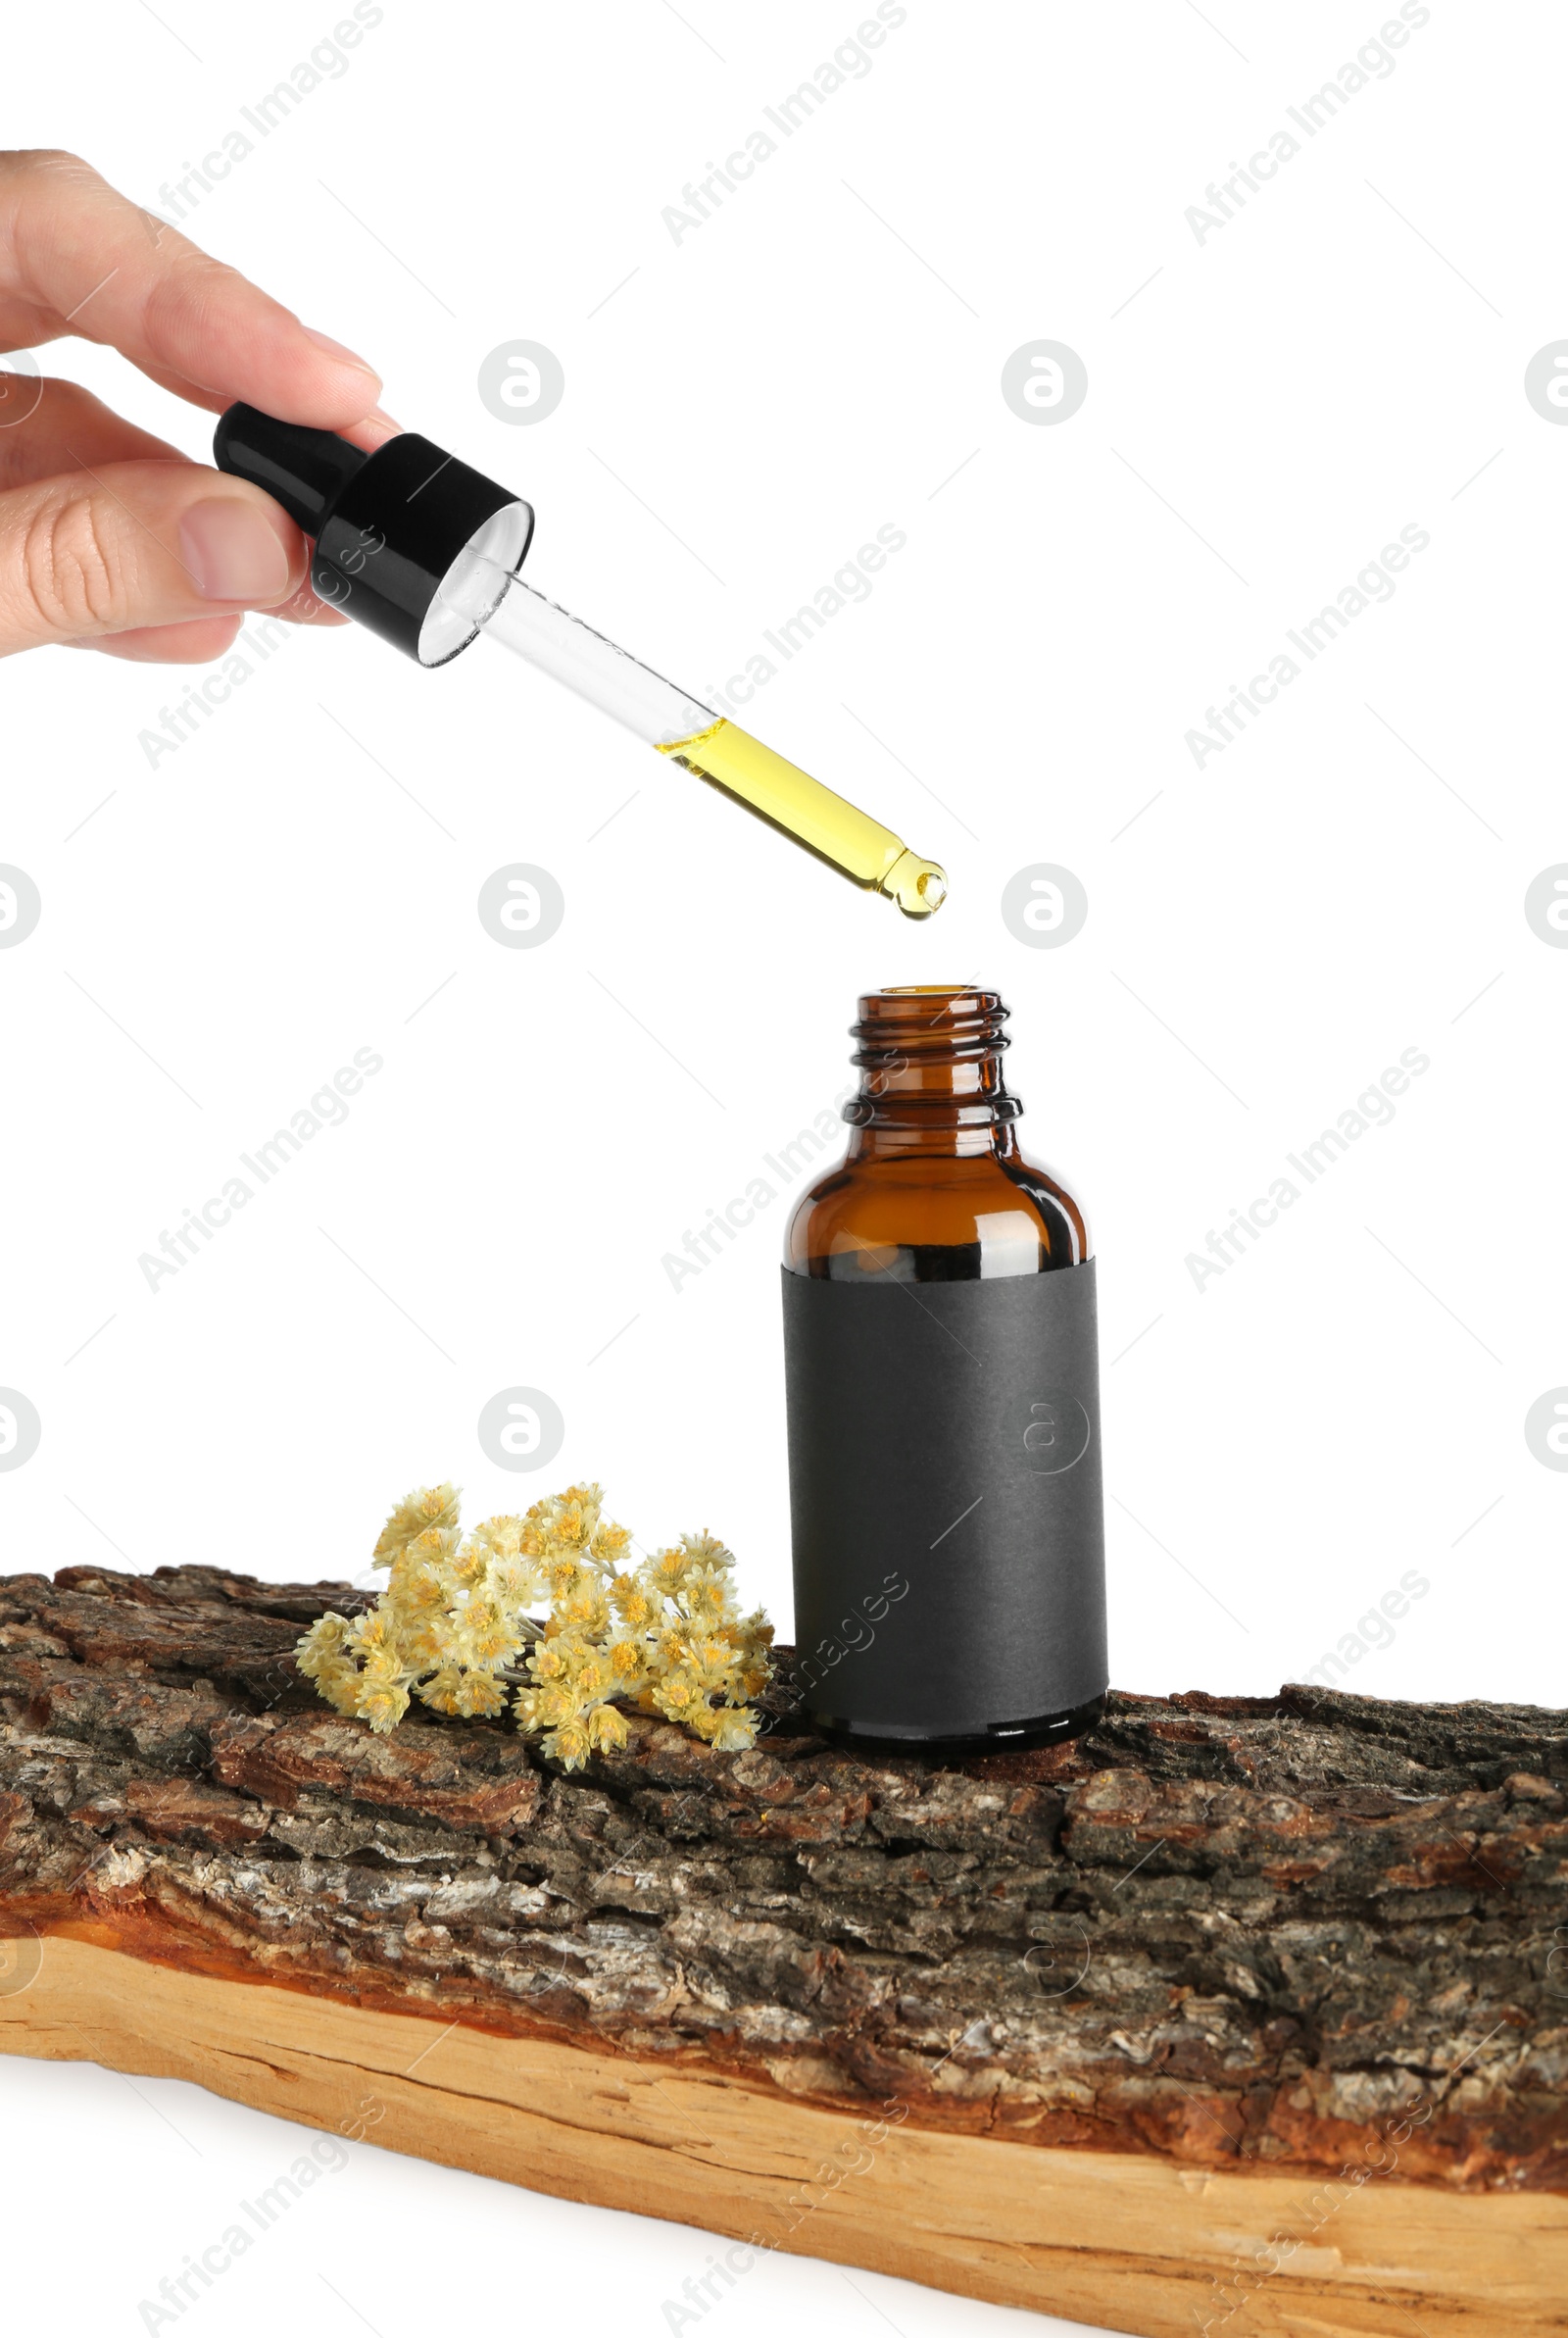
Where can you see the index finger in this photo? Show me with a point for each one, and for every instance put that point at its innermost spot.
(76, 256)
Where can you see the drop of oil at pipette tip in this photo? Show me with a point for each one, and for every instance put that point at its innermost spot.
(920, 887)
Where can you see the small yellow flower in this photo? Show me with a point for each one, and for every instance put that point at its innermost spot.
(428, 1506)
(569, 1743)
(435, 1546)
(429, 1645)
(515, 1582)
(322, 1646)
(442, 1691)
(339, 1683)
(593, 1678)
(706, 1591)
(676, 1694)
(372, 1632)
(486, 1628)
(501, 1537)
(414, 1593)
(383, 1665)
(382, 1707)
(667, 1572)
(468, 1566)
(706, 1550)
(481, 1693)
(607, 1728)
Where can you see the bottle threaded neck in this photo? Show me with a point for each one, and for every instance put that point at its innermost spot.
(930, 1058)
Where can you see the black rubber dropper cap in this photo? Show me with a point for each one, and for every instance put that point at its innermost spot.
(389, 527)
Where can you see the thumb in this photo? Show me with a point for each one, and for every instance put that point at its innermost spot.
(131, 544)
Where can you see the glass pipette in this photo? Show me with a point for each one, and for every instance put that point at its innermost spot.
(697, 737)
(425, 552)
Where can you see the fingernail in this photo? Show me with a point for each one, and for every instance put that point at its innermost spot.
(335, 349)
(234, 552)
(381, 423)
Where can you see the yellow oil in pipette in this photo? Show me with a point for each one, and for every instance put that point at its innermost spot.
(780, 793)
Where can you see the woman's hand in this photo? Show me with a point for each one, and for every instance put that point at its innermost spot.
(110, 540)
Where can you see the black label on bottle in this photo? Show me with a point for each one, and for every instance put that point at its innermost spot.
(945, 1500)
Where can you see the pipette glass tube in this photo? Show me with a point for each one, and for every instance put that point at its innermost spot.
(491, 596)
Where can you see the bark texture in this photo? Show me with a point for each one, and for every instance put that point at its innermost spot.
(1229, 1931)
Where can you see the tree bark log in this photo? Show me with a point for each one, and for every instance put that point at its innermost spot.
(1221, 1962)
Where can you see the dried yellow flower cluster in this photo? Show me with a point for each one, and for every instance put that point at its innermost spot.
(455, 1627)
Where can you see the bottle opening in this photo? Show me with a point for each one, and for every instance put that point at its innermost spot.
(934, 1014)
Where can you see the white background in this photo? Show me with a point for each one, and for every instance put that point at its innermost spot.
(742, 409)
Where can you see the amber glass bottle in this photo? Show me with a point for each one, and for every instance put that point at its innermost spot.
(944, 1417)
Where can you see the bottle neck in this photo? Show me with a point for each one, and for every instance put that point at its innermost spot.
(931, 1083)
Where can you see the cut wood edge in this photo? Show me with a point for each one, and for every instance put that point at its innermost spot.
(1122, 2241)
